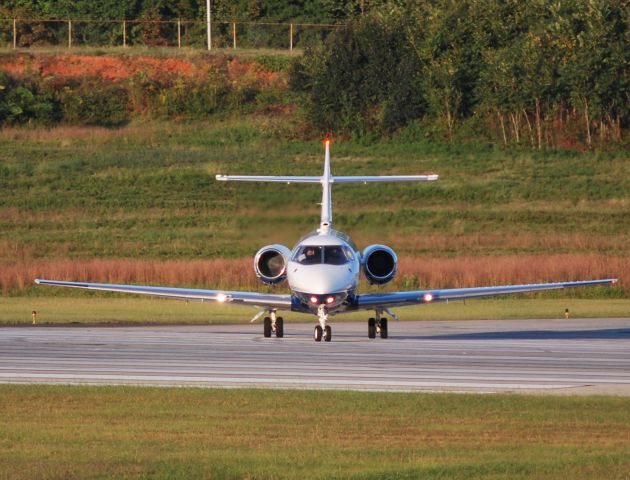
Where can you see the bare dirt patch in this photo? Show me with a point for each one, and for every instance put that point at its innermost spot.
(115, 68)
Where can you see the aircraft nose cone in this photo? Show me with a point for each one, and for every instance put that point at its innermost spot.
(322, 286)
(321, 279)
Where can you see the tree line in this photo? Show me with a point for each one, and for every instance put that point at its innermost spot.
(318, 11)
(152, 17)
(536, 72)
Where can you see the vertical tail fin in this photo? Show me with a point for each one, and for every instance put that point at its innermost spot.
(326, 216)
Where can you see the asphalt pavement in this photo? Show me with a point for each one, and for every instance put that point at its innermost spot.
(575, 356)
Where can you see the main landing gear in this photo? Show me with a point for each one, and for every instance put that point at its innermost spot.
(322, 331)
(377, 325)
(273, 324)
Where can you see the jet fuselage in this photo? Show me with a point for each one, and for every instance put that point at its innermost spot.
(324, 270)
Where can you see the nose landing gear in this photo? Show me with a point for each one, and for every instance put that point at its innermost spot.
(322, 331)
(320, 334)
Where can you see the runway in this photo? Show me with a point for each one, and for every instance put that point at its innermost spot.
(576, 356)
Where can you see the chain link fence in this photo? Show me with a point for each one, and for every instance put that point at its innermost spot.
(25, 33)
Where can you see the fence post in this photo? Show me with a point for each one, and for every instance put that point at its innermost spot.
(209, 24)
(179, 33)
(69, 33)
(291, 37)
(234, 34)
(14, 33)
(124, 33)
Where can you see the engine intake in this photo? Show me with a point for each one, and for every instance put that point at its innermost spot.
(270, 263)
(379, 263)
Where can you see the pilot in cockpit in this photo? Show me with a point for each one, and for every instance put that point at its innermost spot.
(334, 256)
(308, 256)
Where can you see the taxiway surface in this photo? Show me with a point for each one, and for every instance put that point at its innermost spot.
(548, 356)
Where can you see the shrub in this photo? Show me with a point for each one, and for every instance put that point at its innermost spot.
(92, 103)
(192, 98)
(273, 63)
(99, 101)
(25, 102)
(364, 79)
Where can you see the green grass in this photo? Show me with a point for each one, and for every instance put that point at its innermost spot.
(148, 190)
(160, 52)
(128, 432)
(131, 310)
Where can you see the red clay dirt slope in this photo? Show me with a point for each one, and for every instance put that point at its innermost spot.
(119, 67)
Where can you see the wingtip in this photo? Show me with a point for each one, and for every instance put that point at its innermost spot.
(37, 281)
(221, 178)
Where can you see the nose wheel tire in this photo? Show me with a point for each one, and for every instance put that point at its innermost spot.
(372, 328)
(267, 327)
(318, 333)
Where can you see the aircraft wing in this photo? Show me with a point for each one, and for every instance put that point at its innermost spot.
(333, 179)
(399, 299)
(262, 300)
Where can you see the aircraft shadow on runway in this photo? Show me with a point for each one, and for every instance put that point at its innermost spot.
(601, 334)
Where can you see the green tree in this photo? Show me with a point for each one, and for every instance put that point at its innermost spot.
(596, 67)
(449, 38)
(354, 82)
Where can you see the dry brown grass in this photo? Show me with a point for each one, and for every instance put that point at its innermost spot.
(471, 271)
(521, 241)
(463, 271)
(55, 134)
(215, 273)
(66, 134)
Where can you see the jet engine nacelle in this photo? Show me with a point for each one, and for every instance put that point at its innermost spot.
(270, 263)
(379, 263)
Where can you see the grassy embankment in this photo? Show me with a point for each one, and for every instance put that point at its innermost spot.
(92, 432)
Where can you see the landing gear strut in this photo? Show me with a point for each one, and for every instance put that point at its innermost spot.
(322, 330)
(273, 324)
(377, 325)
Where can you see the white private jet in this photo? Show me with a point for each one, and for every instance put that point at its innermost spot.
(323, 271)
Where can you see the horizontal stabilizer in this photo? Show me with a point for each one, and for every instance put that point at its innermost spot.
(267, 178)
(326, 180)
(385, 178)
(333, 179)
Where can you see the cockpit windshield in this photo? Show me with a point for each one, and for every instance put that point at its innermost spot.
(308, 255)
(328, 254)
